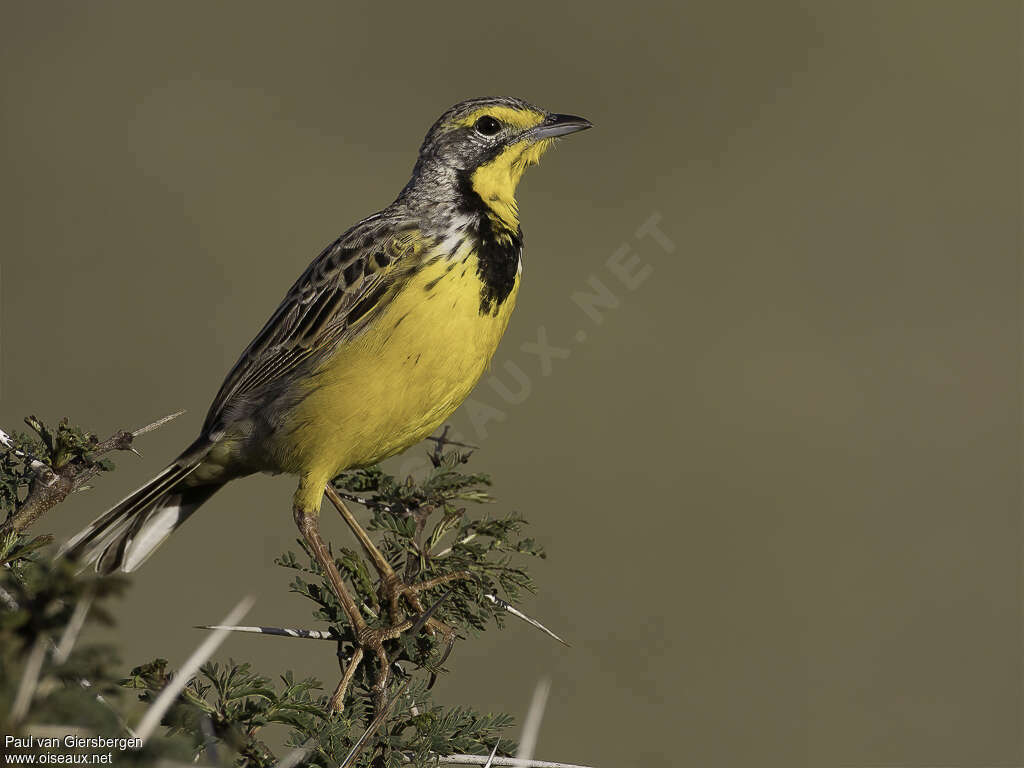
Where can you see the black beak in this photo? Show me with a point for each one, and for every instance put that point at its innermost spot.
(559, 125)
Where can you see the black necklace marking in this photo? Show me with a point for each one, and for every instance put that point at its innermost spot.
(498, 253)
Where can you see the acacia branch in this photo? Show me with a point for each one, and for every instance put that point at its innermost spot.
(509, 761)
(51, 485)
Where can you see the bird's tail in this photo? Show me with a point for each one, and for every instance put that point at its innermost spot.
(126, 535)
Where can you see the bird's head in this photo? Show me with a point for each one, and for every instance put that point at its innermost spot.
(482, 147)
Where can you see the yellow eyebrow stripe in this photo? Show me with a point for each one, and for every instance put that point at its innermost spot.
(520, 118)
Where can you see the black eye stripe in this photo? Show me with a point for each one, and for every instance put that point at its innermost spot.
(487, 126)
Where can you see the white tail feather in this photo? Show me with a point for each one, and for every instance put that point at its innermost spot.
(125, 536)
(156, 529)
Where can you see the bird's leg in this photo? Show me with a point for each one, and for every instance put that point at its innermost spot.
(394, 587)
(368, 639)
(309, 525)
(387, 574)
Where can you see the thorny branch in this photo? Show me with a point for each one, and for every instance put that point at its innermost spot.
(57, 476)
(447, 593)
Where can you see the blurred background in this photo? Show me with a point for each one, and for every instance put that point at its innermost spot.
(776, 468)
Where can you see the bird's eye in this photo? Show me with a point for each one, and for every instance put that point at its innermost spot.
(487, 126)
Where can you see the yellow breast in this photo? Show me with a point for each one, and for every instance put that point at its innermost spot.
(398, 381)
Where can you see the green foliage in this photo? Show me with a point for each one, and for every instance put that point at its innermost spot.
(39, 598)
(469, 558)
(16, 472)
(39, 471)
(236, 704)
(54, 447)
(454, 566)
(77, 685)
(228, 705)
(427, 535)
(63, 444)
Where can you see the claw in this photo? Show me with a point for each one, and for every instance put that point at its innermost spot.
(370, 640)
(447, 650)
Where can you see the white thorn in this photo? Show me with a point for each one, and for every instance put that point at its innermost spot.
(206, 649)
(309, 634)
(156, 424)
(519, 614)
(29, 680)
(74, 626)
(490, 760)
(531, 725)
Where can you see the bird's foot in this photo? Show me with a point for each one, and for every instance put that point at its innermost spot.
(370, 640)
(406, 612)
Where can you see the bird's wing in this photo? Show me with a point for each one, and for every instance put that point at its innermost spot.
(344, 284)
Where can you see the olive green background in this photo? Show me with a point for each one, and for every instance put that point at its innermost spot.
(779, 482)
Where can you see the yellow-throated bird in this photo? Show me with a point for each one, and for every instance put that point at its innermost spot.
(375, 345)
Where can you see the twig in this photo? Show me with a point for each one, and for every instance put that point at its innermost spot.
(440, 441)
(51, 486)
(35, 464)
(40, 468)
(502, 761)
(206, 649)
(373, 726)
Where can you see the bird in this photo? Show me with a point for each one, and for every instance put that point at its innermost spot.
(375, 345)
